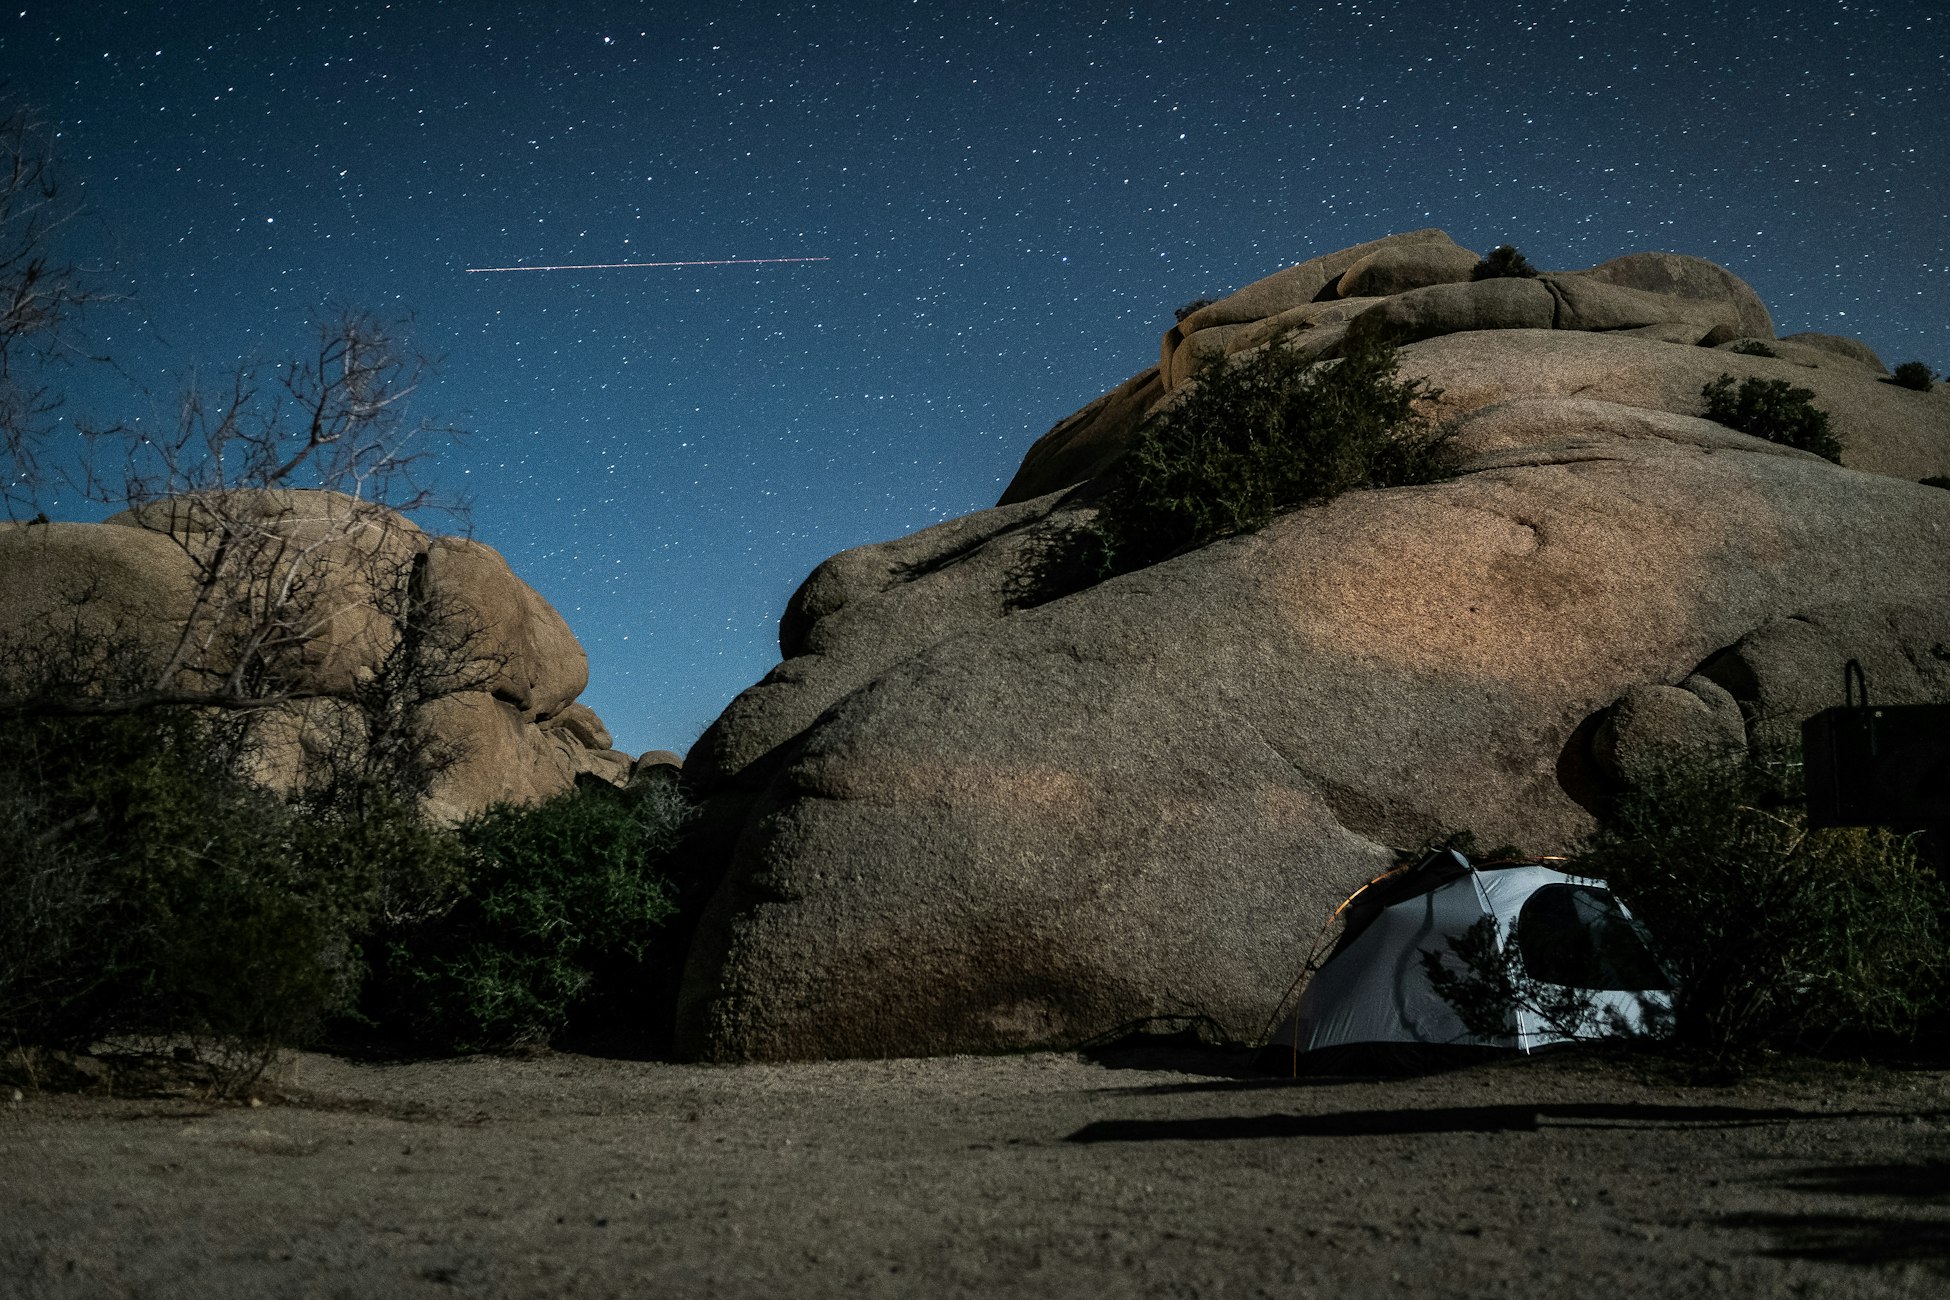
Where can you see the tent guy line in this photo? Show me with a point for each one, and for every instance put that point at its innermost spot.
(615, 266)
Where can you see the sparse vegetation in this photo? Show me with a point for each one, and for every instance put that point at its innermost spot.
(41, 295)
(1194, 305)
(1501, 262)
(1773, 410)
(1913, 374)
(155, 894)
(1753, 348)
(1258, 434)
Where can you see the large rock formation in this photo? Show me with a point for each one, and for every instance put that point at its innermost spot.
(513, 722)
(955, 822)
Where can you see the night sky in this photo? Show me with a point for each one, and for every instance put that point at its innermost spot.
(1013, 196)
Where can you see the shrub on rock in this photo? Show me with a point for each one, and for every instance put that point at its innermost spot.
(1503, 262)
(1261, 434)
(1913, 374)
(1771, 409)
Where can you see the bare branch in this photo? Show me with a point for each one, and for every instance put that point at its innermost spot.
(283, 489)
(283, 496)
(40, 296)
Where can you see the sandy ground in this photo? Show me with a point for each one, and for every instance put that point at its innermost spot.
(1037, 1175)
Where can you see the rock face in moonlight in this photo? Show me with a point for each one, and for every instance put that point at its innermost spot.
(950, 823)
(519, 734)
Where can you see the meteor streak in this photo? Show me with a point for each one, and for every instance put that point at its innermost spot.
(617, 266)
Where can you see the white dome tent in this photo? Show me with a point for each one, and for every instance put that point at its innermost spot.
(1372, 995)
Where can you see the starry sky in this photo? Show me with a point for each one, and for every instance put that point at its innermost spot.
(1011, 195)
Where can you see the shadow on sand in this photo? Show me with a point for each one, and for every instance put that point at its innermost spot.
(1525, 1118)
(1836, 1236)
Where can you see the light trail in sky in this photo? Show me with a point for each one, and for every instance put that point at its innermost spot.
(617, 266)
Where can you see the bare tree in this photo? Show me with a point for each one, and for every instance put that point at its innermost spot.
(285, 490)
(39, 296)
(250, 664)
(286, 498)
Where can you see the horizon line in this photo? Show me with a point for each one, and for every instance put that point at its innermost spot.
(615, 266)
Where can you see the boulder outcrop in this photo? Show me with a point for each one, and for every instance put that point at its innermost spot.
(513, 725)
(1293, 290)
(1314, 306)
(1835, 345)
(1693, 279)
(1397, 268)
(959, 821)
(1651, 725)
(1457, 308)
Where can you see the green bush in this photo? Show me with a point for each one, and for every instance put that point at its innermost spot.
(1753, 348)
(1263, 433)
(1913, 374)
(1503, 262)
(1483, 979)
(1771, 409)
(1771, 930)
(154, 893)
(561, 901)
(1195, 304)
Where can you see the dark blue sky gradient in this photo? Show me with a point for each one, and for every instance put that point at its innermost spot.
(1014, 196)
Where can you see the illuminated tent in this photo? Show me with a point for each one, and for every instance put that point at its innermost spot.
(1578, 943)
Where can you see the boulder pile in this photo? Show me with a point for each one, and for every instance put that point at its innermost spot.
(507, 702)
(952, 820)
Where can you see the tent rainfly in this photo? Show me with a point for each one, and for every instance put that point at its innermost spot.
(1373, 990)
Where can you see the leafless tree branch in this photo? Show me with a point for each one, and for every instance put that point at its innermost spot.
(41, 294)
(284, 488)
(284, 496)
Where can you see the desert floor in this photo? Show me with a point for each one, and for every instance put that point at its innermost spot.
(562, 1175)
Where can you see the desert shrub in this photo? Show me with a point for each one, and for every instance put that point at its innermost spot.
(1483, 978)
(1913, 374)
(1195, 304)
(559, 902)
(1770, 929)
(1257, 435)
(1771, 409)
(1753, 348)
(153, 892)
(1502, 262)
